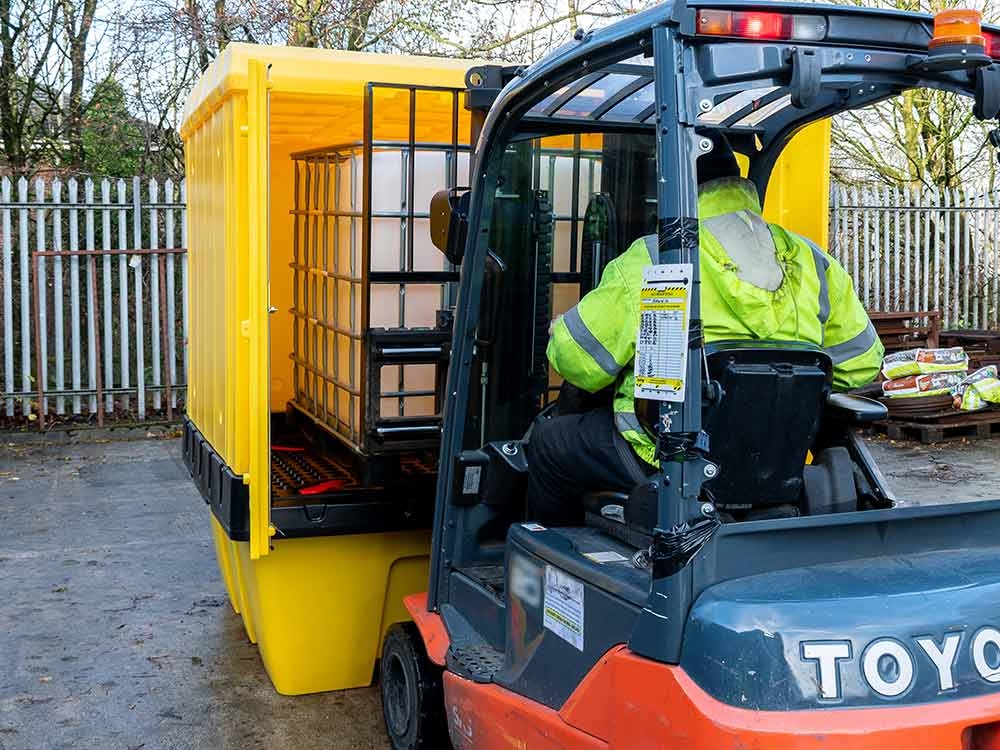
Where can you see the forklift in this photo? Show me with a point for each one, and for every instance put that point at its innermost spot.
(764, 589)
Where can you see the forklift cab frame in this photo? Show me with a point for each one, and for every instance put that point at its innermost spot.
(759, 73)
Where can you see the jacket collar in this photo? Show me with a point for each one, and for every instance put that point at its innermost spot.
(727, 195)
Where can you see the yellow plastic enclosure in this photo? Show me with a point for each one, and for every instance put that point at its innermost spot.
(252, 109)
(798, 194)
(317, 607)
(282, 602)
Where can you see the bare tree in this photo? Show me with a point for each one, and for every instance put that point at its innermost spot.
(29, 97)
(170, 46)
(58, 54)
(78, 19)
(515, 30)
(921, 138)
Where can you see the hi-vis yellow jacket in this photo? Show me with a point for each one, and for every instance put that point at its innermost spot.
(811, 299)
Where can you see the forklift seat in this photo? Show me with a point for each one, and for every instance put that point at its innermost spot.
(765, 422)
(773, 399)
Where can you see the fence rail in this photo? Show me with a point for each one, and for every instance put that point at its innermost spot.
(94, 290)
(921, 250)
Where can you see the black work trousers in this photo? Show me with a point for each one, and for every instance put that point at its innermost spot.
(569, 456)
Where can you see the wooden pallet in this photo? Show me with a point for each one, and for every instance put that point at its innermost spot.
(907, 330)
(983, 424)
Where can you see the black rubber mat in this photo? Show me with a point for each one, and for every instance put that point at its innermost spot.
(477, 662)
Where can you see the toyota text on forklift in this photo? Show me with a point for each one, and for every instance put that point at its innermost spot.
(838, 618)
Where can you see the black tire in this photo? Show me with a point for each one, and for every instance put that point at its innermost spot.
(412, 696)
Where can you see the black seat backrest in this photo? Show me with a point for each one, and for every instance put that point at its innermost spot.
(766, 421)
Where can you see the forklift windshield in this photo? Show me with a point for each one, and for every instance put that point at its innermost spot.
(582, 154)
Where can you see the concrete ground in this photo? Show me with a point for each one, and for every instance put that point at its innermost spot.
(115, 630)
(943, 472)
(116, 633)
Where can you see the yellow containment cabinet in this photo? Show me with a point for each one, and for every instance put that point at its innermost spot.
(320, 326)
(798, 194)
(316, 541)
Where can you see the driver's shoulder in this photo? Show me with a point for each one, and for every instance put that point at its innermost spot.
(630, 264)
(807, 253)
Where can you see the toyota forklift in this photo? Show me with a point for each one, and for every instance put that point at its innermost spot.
(764, 589)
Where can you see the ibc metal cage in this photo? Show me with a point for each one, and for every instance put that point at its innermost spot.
(372, 296)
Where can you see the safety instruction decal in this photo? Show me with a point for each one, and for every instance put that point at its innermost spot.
(661, 348)
(563, 613)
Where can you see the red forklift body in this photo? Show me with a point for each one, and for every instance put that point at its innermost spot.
(627, 701)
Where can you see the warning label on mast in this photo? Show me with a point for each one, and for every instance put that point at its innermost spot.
(661, 348)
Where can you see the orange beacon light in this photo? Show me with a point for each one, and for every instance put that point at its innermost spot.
(957, 27)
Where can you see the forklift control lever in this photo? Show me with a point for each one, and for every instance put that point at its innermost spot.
(713, 393)
(489, 315)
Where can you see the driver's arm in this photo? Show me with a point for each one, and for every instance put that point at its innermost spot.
(849, 336)
(594, 340)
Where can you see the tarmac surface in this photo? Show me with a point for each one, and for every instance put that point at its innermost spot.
(951, 471)
(116, 633)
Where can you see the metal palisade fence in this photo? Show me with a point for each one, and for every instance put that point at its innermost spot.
(93, 320)
(93, 284)
(921, 249)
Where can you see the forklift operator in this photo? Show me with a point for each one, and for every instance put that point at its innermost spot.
(758, 281)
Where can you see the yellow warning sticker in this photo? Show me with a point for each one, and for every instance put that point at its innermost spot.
(662, 342)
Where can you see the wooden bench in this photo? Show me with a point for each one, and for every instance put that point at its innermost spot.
(908, 329)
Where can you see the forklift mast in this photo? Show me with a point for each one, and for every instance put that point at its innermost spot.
(483, 85)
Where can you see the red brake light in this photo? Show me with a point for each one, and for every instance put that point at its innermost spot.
(761, 25)
(992, 44)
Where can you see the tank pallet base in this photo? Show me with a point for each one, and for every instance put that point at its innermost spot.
(979, 425)
(367, 469)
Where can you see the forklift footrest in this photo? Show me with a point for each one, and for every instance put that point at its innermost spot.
(477, 662)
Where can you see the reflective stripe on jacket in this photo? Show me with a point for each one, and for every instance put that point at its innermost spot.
(806, 297)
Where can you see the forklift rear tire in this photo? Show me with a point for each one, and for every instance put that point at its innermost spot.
(412, 696)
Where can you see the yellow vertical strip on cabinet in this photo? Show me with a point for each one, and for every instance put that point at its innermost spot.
(798, 194)
(255, 327)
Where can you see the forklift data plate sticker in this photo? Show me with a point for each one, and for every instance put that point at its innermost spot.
(661, 348)
(563, 613)
(470, 482)
(608, 556)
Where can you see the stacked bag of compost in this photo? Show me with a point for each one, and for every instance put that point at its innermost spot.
(920, 373)
(917, 373)
(979, 390)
